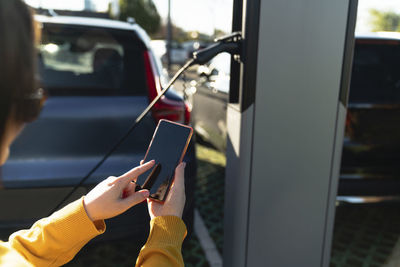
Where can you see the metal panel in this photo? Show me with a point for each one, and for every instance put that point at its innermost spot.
(237, 181)
(331, 198)
(300, 59)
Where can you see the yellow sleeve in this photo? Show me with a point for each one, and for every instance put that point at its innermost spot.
(164, 245)
(54, 241)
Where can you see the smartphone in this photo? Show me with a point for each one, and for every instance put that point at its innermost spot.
(167, 147)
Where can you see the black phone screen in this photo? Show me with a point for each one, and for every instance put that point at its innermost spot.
(167, 148)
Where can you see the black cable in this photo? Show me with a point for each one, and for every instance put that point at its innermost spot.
(230, 43)
(137, 121)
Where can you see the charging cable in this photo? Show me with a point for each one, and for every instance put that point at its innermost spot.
(230, 43)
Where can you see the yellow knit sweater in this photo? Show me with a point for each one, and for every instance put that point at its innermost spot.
(54, 241)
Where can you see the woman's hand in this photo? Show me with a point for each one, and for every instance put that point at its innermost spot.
(115, 195)
(176, 198)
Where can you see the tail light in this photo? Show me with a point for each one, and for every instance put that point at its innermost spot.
(188, 110)
(349, 131)
(165, 108)
(348, 118)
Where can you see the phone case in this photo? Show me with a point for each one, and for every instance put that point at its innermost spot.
(156, 169)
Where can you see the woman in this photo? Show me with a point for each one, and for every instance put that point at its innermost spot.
(55, 240)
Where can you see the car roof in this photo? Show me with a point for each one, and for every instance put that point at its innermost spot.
(95, 22)
(379, 35)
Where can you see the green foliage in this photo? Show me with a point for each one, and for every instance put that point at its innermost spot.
(219, 33)
(180, 35)
(143, 11)
(385, 21)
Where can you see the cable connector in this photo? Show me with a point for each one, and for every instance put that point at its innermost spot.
(231, 43)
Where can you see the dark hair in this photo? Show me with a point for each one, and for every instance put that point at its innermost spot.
(17, 62)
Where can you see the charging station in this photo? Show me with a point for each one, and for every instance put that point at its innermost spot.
(286, 118)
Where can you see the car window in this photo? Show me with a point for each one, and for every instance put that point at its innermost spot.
(75, 60)
(376, 73)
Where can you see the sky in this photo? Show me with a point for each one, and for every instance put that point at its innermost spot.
(364, 6)
(199, 15)
(206, 15)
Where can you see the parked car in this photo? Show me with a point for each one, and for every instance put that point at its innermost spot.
(100, 75)
(177, 53)
(371, 148)
(209, 98)
(192, 46)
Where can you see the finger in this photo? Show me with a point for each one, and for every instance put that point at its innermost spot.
(128, 190)
(180, 175)
(141, 162)
(178, 185)
(136, 198)
(135, 172)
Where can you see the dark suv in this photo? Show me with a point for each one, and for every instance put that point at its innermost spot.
(100, 75)
(371, 148)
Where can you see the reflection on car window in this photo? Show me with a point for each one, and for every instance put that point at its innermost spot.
(84, 60)
(376, 73)
(62, 58)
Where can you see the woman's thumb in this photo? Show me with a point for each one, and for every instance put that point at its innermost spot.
(137, 197)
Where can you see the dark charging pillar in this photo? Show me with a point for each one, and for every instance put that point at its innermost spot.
(286, 121)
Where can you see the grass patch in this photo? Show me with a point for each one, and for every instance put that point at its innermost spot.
(210, 191)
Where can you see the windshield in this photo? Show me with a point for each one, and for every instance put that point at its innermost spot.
(376, 73)
(90, 60)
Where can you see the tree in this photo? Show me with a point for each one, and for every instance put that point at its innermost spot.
(219, 33)
(180, 35)
(385, 21)
(177, 32)
(143, 11)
